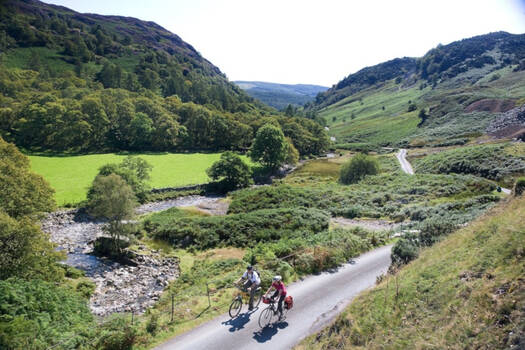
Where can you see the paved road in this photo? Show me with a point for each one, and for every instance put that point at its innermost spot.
(317, 300)
(405, 165)
(407, 168)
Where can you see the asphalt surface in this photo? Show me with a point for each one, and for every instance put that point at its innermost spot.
(407, 168)
(317, 300)
(405, 165)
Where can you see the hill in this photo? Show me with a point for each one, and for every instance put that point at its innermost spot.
(453, 94)
(280, 96)
(465, 292)
(90, 83)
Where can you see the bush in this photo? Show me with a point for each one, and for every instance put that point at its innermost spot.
(116, 334)
(37, 315)
(86, 288)
(519, 187)
(357, 168)
(433, 230)
(239, 229)
(153, 324)
(405, 250)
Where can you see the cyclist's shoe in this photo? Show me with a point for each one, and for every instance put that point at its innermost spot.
(250, 308)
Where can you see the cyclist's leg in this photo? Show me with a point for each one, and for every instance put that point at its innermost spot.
(245, 285)
(280, 305)
(275, 294)
(252, 295)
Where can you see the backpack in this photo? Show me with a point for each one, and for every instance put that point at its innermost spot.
(288, 302)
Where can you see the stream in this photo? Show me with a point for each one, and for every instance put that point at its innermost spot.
(121, 288)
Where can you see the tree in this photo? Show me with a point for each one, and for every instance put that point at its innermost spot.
(357, 168)
(231, 171)
(22, 193)
(24, 250)
(269, 147)
(111, 198)
(135, 171)
(292, 154)
(422, 116)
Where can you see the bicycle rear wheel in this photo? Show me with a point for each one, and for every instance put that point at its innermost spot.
(265, 318)
(235, 307)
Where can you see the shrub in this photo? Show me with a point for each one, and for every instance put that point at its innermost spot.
(519, 187)
(116, 334)
(240, 229)
(86, 288)
(152, 324)
(37, 315)
(357, 168)
(405, 250)
(433, 230)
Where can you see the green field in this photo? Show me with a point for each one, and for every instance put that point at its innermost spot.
(70, 176)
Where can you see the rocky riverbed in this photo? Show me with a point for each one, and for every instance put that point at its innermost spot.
(119, 287)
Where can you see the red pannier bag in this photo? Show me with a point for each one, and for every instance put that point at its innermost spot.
(288, 302)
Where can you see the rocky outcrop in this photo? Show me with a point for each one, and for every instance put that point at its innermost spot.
(508, 124)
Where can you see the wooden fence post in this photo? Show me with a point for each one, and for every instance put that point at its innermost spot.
(172, 307)
(208, 291)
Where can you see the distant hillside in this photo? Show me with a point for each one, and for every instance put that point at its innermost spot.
(454, 93)
(281, 95)
(85, 82)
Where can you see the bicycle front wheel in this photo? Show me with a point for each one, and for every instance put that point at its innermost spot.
(265, 318)
(235, 307)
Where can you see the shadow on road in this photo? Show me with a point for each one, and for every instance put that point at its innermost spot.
(267, 333)
(238, 322)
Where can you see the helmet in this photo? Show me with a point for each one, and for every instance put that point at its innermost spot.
(277, 278)
(249, 267)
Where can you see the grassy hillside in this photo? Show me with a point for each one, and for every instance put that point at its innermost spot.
(279, 96)
(473, 82)
(465, 292)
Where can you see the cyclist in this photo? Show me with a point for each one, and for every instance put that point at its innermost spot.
(251, 284)
(280, 290)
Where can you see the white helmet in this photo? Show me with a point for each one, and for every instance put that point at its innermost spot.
(277, 278)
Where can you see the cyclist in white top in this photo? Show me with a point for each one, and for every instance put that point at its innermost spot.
(251, 284)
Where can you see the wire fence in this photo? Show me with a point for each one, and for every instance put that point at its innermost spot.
(167, 309)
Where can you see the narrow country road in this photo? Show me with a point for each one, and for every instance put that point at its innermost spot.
(407, 168)
(405, 165)
(317, 300)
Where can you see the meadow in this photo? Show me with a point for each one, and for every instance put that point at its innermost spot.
(70, 176)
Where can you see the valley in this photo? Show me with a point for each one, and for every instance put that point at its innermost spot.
(137, 183)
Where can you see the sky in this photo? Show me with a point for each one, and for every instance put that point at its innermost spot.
(313, 41)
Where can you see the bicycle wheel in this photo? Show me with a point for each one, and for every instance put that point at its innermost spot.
(265, 318)
(257, 298)
(235, 307)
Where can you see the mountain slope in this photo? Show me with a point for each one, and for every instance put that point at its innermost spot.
(463, 89)
(74, 82)
(280, 96)
(466, 292)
